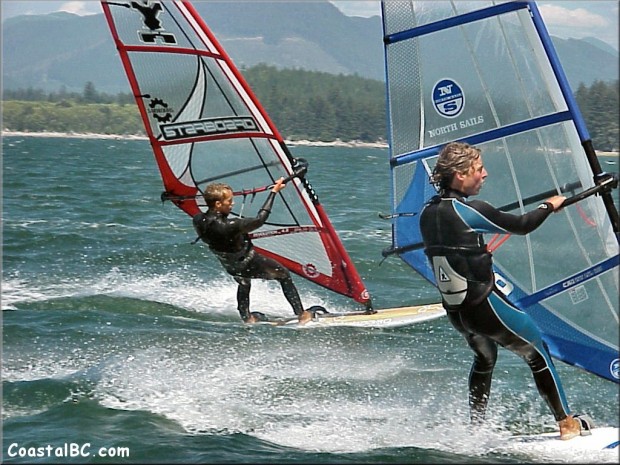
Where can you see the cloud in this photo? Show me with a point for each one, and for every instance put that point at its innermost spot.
(599, 20)
(579, 18)
(80, 8)
(363, 8)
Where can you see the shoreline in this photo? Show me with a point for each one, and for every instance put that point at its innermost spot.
(75, 135)
(305, 143)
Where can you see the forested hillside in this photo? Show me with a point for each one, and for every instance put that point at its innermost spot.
(599, 105)
(321, 106)
(303, 105)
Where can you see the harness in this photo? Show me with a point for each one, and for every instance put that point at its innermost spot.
(459, 268)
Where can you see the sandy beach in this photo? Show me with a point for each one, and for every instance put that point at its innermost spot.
(309, 143)
(75, 135)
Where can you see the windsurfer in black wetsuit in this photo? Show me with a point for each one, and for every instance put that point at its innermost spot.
(229, 241)
(451, 227)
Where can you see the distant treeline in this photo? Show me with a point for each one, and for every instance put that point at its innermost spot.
(303, 105)
(599, 105)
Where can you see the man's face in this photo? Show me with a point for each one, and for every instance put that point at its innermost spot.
(472, 180)
(225, 205)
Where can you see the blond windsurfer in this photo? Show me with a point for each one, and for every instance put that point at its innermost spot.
(228, 239)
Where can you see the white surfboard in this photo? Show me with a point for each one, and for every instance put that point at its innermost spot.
(601, 439)
(383, 318)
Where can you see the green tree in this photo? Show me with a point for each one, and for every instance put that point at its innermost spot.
(302, 104)
(90, 93)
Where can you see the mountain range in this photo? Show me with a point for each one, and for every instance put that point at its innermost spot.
(65, 51)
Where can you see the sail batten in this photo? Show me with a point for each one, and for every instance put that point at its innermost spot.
(451, 22)
(205, 125)
(486, 73)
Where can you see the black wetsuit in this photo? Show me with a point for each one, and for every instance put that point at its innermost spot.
(452, 228)
(228, 239)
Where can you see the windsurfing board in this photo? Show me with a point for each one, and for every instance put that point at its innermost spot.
(605, 438)
(383, 318)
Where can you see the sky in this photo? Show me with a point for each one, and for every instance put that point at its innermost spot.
(564, 19)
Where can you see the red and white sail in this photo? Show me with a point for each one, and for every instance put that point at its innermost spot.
(205, 125)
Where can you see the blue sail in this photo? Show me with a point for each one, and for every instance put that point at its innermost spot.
(486, 73)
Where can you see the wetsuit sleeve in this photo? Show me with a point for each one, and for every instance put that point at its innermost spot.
(199, 223)
(247, 225)
(515, 224)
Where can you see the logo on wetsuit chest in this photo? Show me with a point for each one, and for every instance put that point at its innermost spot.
(443, 276)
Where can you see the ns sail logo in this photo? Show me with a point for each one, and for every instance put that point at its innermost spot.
(448, 98)
(614, 368)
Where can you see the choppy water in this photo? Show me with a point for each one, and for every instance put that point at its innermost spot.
(120, 334)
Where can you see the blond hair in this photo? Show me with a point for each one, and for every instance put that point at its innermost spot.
(455, 157)
(214, 192)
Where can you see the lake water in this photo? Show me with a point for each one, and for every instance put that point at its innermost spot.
(119, 336)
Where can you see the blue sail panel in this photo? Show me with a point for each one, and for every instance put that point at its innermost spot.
(407, 224)
(486, 73)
